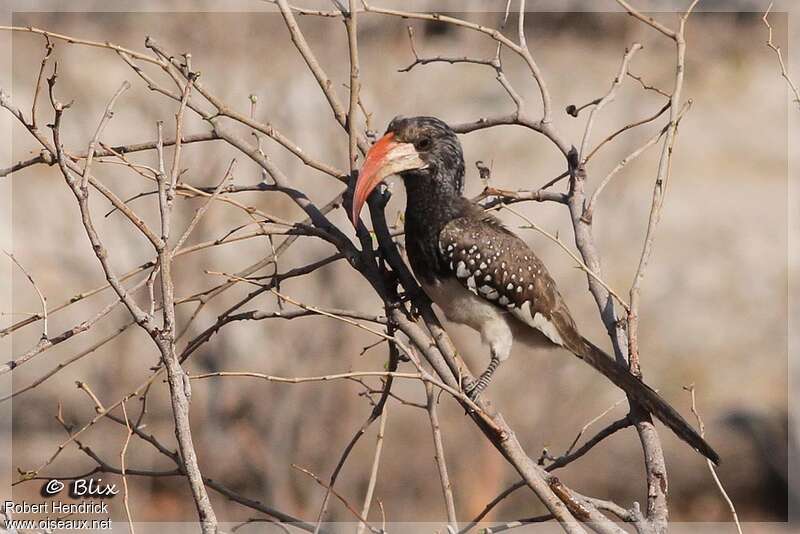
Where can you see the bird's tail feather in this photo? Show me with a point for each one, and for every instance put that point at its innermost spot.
(645, 396)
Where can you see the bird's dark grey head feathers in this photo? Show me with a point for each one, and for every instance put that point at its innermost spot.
(437, 145)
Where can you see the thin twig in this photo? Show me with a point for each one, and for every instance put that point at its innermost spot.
(124, 450)
(338, 496)
(647, 87)
(74, 40)
(608, 97)
(39, 79)
(625, 128)
(691, 389)
(653, 140)
(200, 212)
(439, 457)
(591, 422)
(518, 523)
(571, 254)
(351, 25)
(650, 21)
(42, 298)
(108, 114)
(777, 50)
(373, 474)
(339, 376)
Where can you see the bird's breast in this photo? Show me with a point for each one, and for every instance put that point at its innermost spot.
(497, 326)
(463, 306)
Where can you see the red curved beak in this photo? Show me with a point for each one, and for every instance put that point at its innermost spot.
(386, 157)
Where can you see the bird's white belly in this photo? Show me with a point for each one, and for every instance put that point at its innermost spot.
(498, 327)
(462, 306)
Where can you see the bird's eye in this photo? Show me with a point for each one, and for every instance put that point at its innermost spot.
(424, 143)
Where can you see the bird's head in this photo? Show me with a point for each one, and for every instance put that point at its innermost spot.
(419, 149)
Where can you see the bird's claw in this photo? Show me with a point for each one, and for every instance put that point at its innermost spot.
(473, 390)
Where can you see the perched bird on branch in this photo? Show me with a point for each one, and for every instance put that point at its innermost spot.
(477, 271)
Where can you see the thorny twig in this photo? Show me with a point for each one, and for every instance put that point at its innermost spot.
(779, 55)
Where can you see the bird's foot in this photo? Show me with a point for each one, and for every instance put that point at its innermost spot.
(473, 389)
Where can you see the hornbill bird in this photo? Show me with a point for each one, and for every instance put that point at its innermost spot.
(477, 271)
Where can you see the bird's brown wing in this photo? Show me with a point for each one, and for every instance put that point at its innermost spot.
(499, 267)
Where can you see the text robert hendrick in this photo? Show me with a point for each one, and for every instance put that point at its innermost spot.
(56, 507)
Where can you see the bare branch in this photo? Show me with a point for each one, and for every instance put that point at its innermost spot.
(518, 523)
(624, 129)
(441, 463)
(74, 40)
(338, 496)
(122, 453)
(711, 467)
(777, 50)
(650, 21)
(608, 97)
(107, 115)
(589, 210)
(200, 212)
(62, 365)
(46, 157)
(39, 79)
(164, 338)
(42, 298)
(423, 377)
(647, 87)
(351, 25)
(373, 475)
(322, 78)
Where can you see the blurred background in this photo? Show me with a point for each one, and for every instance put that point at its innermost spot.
(714, 307)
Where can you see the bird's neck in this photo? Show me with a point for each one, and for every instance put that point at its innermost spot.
(431, 203)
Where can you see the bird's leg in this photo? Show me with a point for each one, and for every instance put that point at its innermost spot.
(475, 389)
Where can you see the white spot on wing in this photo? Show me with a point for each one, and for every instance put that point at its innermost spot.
(547, 328)
(461, 270)
(538, 321)
(488, 292)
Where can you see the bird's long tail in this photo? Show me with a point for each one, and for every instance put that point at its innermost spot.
(645, 396)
